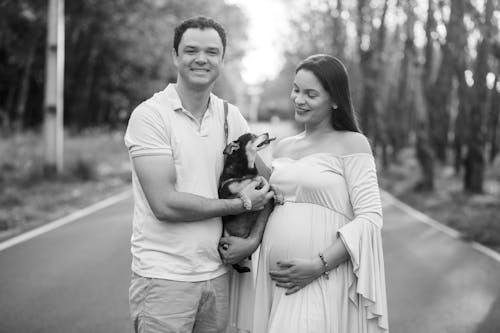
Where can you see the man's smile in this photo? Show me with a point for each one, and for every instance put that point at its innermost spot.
(200, 70)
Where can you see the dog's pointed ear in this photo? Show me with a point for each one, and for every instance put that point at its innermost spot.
(231, 148)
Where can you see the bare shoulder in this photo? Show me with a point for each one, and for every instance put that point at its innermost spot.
(355, 143)
(283, 146)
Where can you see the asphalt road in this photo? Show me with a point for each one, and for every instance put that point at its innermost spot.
(72, 279)
(435, 283)
(75, 278)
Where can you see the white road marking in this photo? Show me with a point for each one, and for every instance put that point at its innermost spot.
(388, 198)
(64, 220)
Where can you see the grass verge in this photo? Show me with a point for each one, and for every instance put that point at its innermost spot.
(475, 216)
(96, 166)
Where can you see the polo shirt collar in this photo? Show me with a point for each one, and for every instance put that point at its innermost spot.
(176, 103)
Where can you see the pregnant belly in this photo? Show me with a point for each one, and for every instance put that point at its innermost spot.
(299, 230)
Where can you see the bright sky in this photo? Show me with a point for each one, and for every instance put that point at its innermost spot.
(266, 31)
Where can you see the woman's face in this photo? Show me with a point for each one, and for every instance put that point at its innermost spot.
(313, 105)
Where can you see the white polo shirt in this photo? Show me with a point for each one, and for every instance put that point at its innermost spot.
(181, 251)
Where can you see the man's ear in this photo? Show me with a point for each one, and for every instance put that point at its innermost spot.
(231, 148)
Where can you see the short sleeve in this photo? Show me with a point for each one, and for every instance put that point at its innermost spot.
(147, 133)
(237, 124)
(362, 238)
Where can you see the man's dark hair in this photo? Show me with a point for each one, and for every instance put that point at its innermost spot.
(332, 75)
(199, 22)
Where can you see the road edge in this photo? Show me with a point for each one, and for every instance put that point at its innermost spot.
(421, 217)
(388, 198)
(65, 220)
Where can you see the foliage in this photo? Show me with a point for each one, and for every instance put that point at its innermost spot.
(418, 72)
(117, 53)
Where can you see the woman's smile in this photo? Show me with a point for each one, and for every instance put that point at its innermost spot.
(301, 110)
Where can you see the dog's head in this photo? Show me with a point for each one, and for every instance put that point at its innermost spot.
(247, 146)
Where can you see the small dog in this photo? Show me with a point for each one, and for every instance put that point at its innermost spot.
(239, 170)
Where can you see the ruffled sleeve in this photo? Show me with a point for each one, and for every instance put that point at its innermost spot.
(362, 238)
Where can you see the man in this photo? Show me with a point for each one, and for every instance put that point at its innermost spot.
(175, 141)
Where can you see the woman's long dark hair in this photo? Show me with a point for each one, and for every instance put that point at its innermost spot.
(332, 75)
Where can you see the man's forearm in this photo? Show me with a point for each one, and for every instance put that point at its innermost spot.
(187, 207)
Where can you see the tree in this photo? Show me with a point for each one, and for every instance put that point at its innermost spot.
(475, 159)
(22, 37)
(424, 151)
(117, 54)
(439, 92)
(402, 107)
(494, 117)
(463, 90)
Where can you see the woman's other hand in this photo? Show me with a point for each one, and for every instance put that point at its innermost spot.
(295, 274)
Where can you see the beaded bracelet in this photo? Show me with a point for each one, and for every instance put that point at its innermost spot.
(325, 265)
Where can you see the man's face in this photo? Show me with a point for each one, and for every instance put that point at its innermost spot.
(200, 57)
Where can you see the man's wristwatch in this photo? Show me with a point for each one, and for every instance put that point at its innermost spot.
(247, 203)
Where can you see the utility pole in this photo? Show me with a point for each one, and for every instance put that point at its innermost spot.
(54, 88)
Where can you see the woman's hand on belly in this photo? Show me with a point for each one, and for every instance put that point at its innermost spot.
(295, 274)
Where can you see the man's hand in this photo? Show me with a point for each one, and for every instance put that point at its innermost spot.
(258, 191)
(234, 249)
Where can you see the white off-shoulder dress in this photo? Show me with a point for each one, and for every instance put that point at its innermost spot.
(325, 195)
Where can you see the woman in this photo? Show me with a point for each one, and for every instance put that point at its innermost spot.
(321, 266)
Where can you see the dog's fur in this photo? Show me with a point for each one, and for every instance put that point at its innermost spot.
(239, 170)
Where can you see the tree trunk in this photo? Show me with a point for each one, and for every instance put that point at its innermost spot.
(86, 95)
(424, 152)
(381, 128)
(365, 58)
(25, 85)
(400, 118)
(440, 92)
(460, 130)
(371, 65)
(430, 27)
(460, 122)
(339, 33)
(493, 120)
(475, 159)
(9, 102)
(367, 109)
